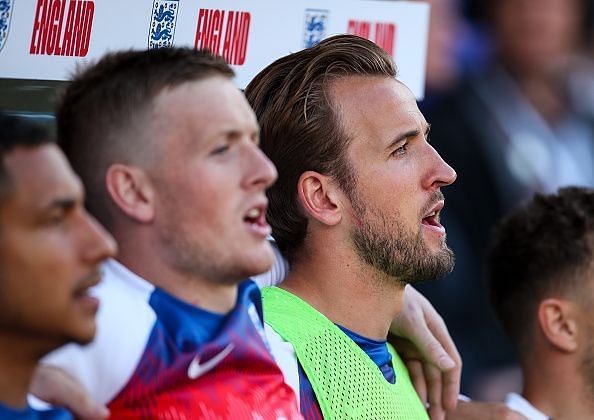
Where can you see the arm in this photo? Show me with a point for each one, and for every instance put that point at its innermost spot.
(430, 355)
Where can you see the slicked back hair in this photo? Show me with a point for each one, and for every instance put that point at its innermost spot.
(541, 250)
(16, 132)
(300, 129)
(103, 114)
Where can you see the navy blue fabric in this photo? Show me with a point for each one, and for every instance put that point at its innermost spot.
(29, 413)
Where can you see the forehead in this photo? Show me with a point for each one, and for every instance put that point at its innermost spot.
(40, 174)
(203, 109)
(376, 108)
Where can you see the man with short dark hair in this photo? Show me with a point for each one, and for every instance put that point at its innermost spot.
(356, 212)
(50, 249)
(542, 290)
(167, 148)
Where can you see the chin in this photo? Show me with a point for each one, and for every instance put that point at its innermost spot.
(84, 334)
(261, 263)
(437, 245)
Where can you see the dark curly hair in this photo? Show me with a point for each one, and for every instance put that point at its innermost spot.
(543, 249)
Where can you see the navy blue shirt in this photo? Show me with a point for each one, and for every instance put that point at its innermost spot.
(29, 413)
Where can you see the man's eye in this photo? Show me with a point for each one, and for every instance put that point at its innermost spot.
(57, 219)
(220, 150)
(401, 150)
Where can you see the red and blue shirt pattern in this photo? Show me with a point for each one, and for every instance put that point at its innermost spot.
(194, 364)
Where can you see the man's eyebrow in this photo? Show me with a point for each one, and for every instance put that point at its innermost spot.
(235, 132)
(403, 136)
(64, 203)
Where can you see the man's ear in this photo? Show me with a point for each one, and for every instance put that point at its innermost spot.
(320, 197)
(130, 188)
(558, 323)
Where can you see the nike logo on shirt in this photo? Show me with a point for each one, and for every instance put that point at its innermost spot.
(197, 369)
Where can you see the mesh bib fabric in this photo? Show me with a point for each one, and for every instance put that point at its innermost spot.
(347, 383)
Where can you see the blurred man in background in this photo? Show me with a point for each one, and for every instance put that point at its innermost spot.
(542, 289)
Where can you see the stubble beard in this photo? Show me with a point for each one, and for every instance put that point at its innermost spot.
(384, 243)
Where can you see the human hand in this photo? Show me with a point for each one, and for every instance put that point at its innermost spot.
(425, 346)
(56, 387)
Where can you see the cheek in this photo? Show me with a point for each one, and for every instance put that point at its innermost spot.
(395, 190)
(202, 209)
(207, 187)
(217, 192)
(50, 254)
(39, 276)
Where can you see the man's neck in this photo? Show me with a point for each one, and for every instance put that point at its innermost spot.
(558, 390)
(19, 356)
(348, 292)
(140, 251)
(210, 295)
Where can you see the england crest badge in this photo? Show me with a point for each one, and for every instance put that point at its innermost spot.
(316, 21)
(5, 14)
(162, 27)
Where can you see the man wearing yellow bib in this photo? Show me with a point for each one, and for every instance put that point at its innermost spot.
(356, 212)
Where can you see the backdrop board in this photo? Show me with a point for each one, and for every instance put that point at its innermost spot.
(46, 39)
